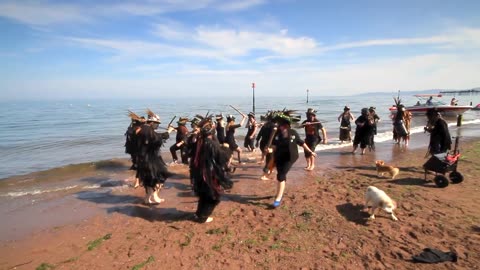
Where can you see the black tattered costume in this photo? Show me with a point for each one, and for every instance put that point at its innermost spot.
(208, 172)
(152, 170)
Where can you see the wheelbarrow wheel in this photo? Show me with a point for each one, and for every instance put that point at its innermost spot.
(441, 181)
(456, 177)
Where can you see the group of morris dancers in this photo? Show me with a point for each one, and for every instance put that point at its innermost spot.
(209, 147)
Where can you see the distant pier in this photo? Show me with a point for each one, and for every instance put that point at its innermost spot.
(461, 92)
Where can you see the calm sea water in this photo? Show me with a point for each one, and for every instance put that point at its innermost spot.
(41, 135)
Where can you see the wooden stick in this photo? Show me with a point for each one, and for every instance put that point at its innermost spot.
(237, 110)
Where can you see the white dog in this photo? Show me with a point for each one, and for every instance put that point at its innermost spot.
(377, 198)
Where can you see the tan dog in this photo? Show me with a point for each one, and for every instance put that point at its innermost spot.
(382, 168)
(377, 198)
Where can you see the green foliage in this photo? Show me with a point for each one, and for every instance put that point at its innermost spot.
(93, 244)
(142, 264)
(45, 266)
(188, 240)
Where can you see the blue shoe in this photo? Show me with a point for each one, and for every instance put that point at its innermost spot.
(276, 204)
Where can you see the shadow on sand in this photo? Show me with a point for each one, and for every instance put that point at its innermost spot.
(412, 182)
(248, 199)
(353, 213)
(152, 213)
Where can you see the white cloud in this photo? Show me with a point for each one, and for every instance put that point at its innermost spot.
(236, 5)
(35, 13)
(237, 43)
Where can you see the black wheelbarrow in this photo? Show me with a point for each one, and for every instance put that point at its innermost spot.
(442, 164)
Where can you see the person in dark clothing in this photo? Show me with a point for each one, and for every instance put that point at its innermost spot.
(345, 126)
(152, 170)
(220, 128)
(180, 142)
(251, 130)
(376, 119)
(312, 136)
(131, 144)
(208, 172)
(362, 132)
(285, 152)
(401, 125)
(230, 134)
(440, 140)
(263, 137)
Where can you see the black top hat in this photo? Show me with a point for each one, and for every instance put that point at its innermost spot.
(182, 120)
(230, 118)
(346, 108)
(311, 111)
(251, 114)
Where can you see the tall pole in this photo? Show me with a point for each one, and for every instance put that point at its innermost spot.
(307, 95)
(253, 88)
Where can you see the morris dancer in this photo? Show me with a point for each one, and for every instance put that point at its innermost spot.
(180, 142)
(251, 130)
(312, 136)
(363, 131)
(345, 126)
(208, 172)
(285, 151)
(230, 135)
(152, 170)
(131, 142)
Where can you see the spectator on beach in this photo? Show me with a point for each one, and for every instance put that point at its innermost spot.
(251, 130)
(152, 170)
(345, 126)
(180, 142)
(440, 140)
(362, 131)
(208, 171)
(285, 152)
(312, 136)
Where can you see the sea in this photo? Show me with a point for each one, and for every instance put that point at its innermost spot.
(41, 135)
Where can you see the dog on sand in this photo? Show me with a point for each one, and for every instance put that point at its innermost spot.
(377, 198)
(382, 168)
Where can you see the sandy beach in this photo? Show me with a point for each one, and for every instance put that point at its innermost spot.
(320, 225)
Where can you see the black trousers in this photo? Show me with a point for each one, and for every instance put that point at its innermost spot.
(183, 152)
(205, 206)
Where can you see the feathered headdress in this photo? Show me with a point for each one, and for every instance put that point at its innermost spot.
(135, 117)
(152, 117)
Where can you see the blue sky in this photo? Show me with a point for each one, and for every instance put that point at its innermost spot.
(102, 49)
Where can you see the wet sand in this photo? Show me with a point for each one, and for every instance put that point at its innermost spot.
(320, 224)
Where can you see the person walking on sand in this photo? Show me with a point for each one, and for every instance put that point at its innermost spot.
(220, 128)
(208, 172)
(440, 140)
(362, 131)
(152, 170)
(230, 135)
(180, 142)
(312, 136)
(345, 126)
(375, 118)
(285, 151)
(251, 130)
